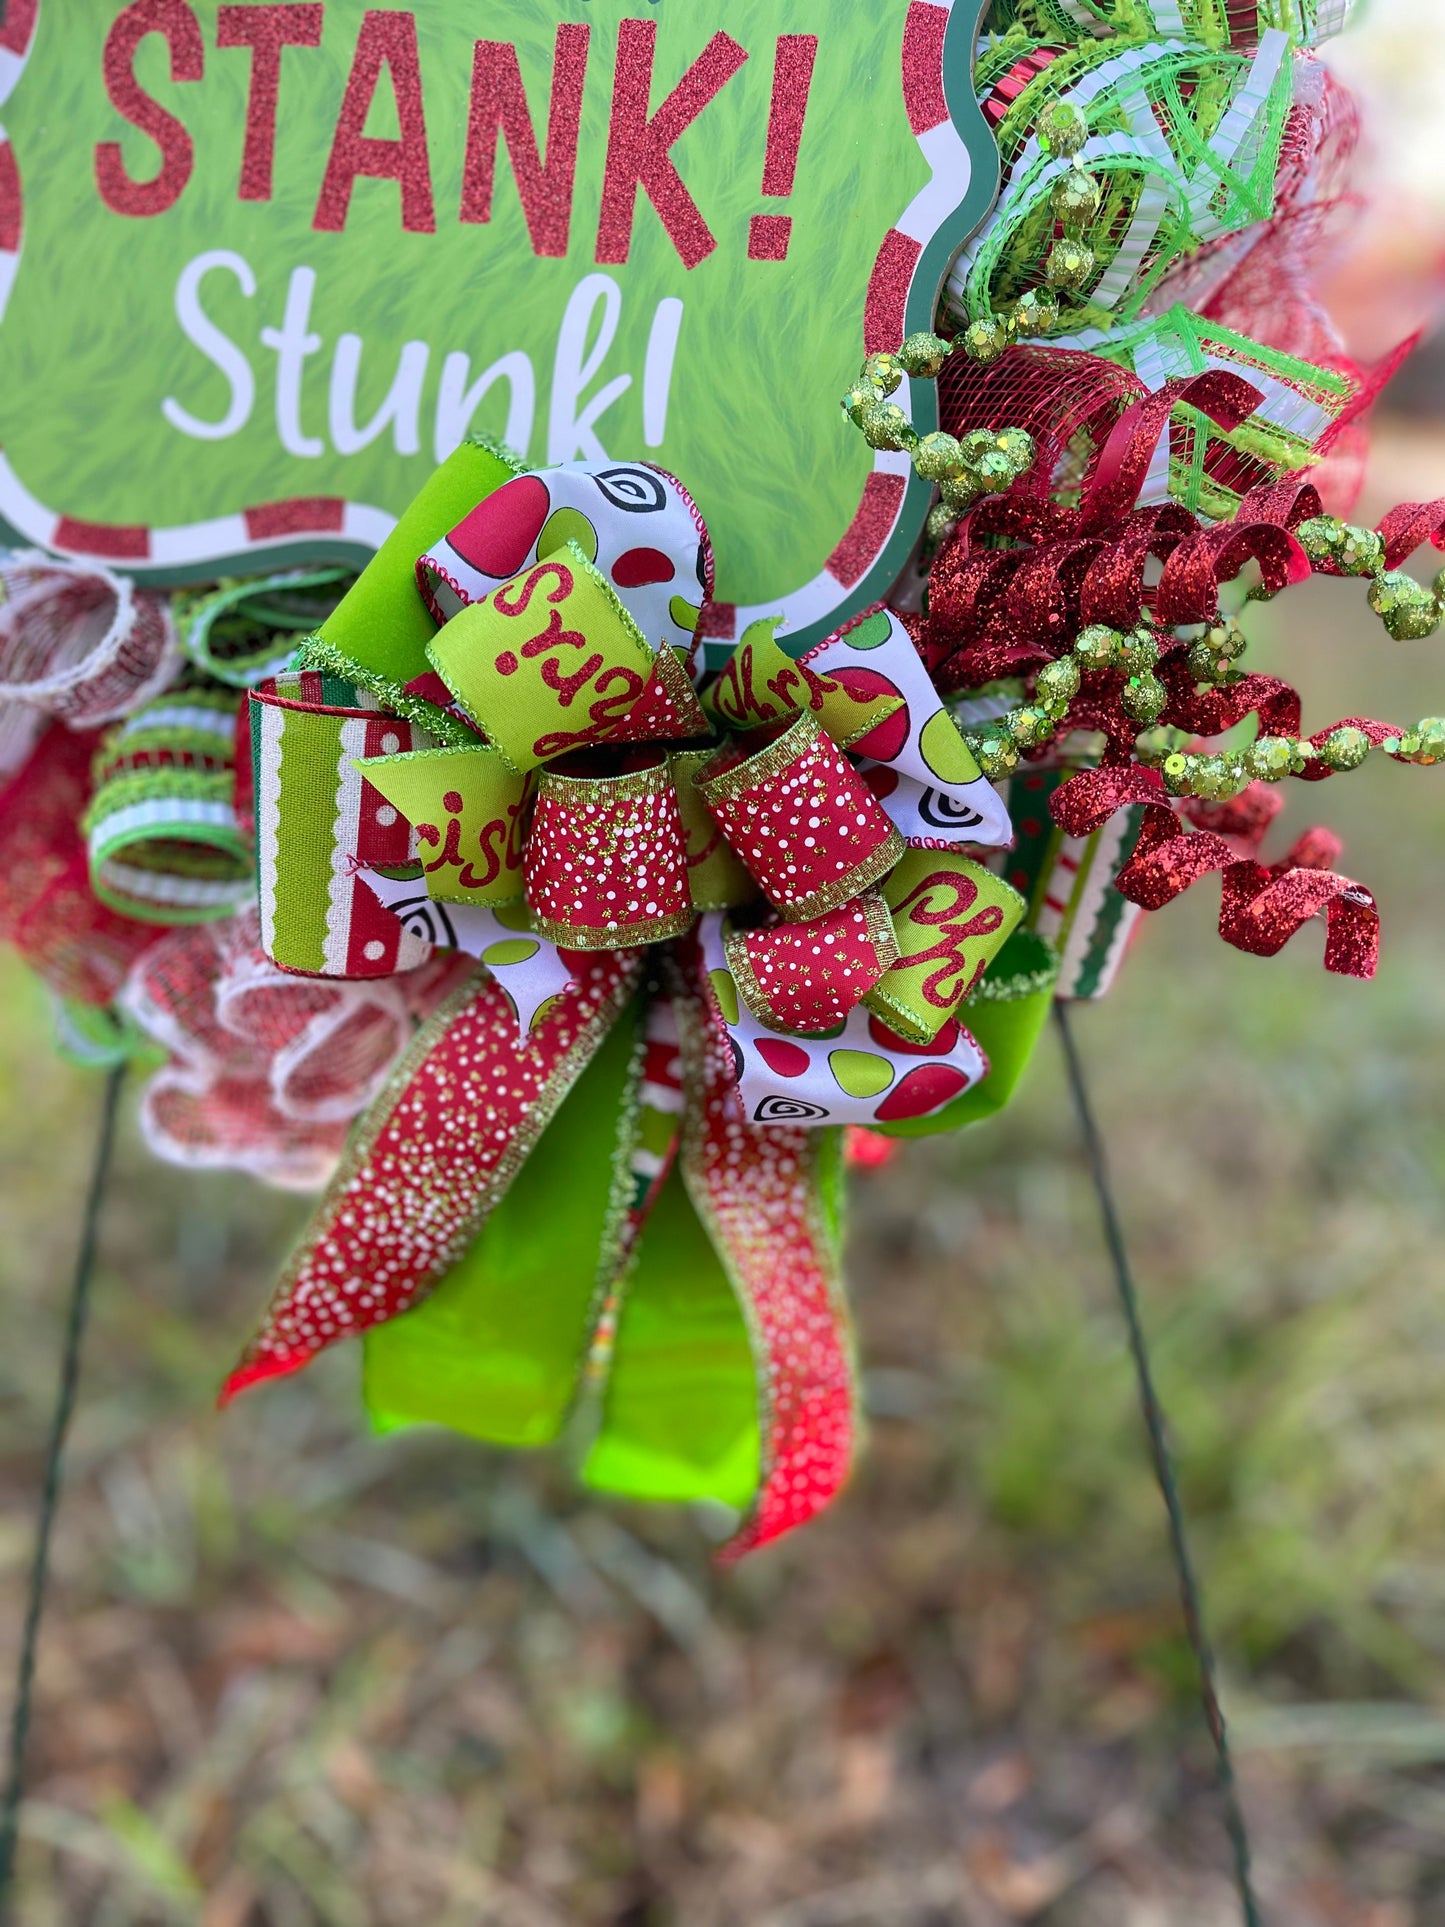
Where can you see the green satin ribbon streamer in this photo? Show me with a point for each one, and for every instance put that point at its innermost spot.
(382, 626)
(500, 1350)
(680, 1414)
(497, 1349)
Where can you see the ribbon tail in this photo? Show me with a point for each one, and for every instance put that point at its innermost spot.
(1262, 909)
(672, 1360)
(498, 1350)
(766, 1199)
(643, 1160)
(455, 1123)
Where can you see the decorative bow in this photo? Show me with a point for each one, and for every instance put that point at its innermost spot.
(711, 917)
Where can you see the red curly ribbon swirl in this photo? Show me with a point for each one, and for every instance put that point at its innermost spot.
(1410, 527)
(1262, 907)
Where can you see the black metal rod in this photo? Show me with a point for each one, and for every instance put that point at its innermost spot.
(50, 1492)
(1156, 1427)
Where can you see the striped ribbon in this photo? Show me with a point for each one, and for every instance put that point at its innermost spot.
(161, 832)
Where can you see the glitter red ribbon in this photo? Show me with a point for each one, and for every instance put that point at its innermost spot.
(756, 1190)
(457, 1118)
(1262, 906)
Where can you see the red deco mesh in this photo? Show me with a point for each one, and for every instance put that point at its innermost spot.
(78, 642)
(81, 949)
(1068, 401)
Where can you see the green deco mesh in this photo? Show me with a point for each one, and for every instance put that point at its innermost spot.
(1210, 468)
(1214, 24)
(1184, 143)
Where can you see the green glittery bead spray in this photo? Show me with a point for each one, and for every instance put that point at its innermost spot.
(1213, 779)
(1097, 647)
(1069, 264)
(1209, 658)
(1361, 551)
(1319, 537)
(1017, 446)
(924, 355)
(1030, 725)
(1346, 747)
(1138, 651)
(1062, 129)
(938, 457)
(984, 340)
(1272, 757)
(1143, 698)
(997, 754)
(942, 521)
(882, 373)
(1406, 607)
(1325, 539)
(1425, 743)
(995, 471)
(885, 425)
(1203, 664)
(1076, 197)
(1057, 683)
(960, 493)
(1036, 312)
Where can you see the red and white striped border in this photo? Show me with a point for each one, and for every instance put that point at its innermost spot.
(16, 34)
(890, 285)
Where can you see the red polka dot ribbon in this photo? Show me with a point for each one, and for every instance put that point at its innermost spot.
(607, 860)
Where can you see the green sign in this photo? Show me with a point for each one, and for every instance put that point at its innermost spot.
(263, 265)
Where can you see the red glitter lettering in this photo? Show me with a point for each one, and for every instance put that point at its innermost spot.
(514, 598)
(121, 193)
(638, 147)
(265, 30)
(499, 111)
(941, 901)
(386, 40)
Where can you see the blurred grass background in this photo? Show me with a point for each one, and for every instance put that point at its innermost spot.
(292, 1674)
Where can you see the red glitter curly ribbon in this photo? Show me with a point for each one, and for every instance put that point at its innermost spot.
(1122, 464)
(1262, 907)
(1410, 527)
